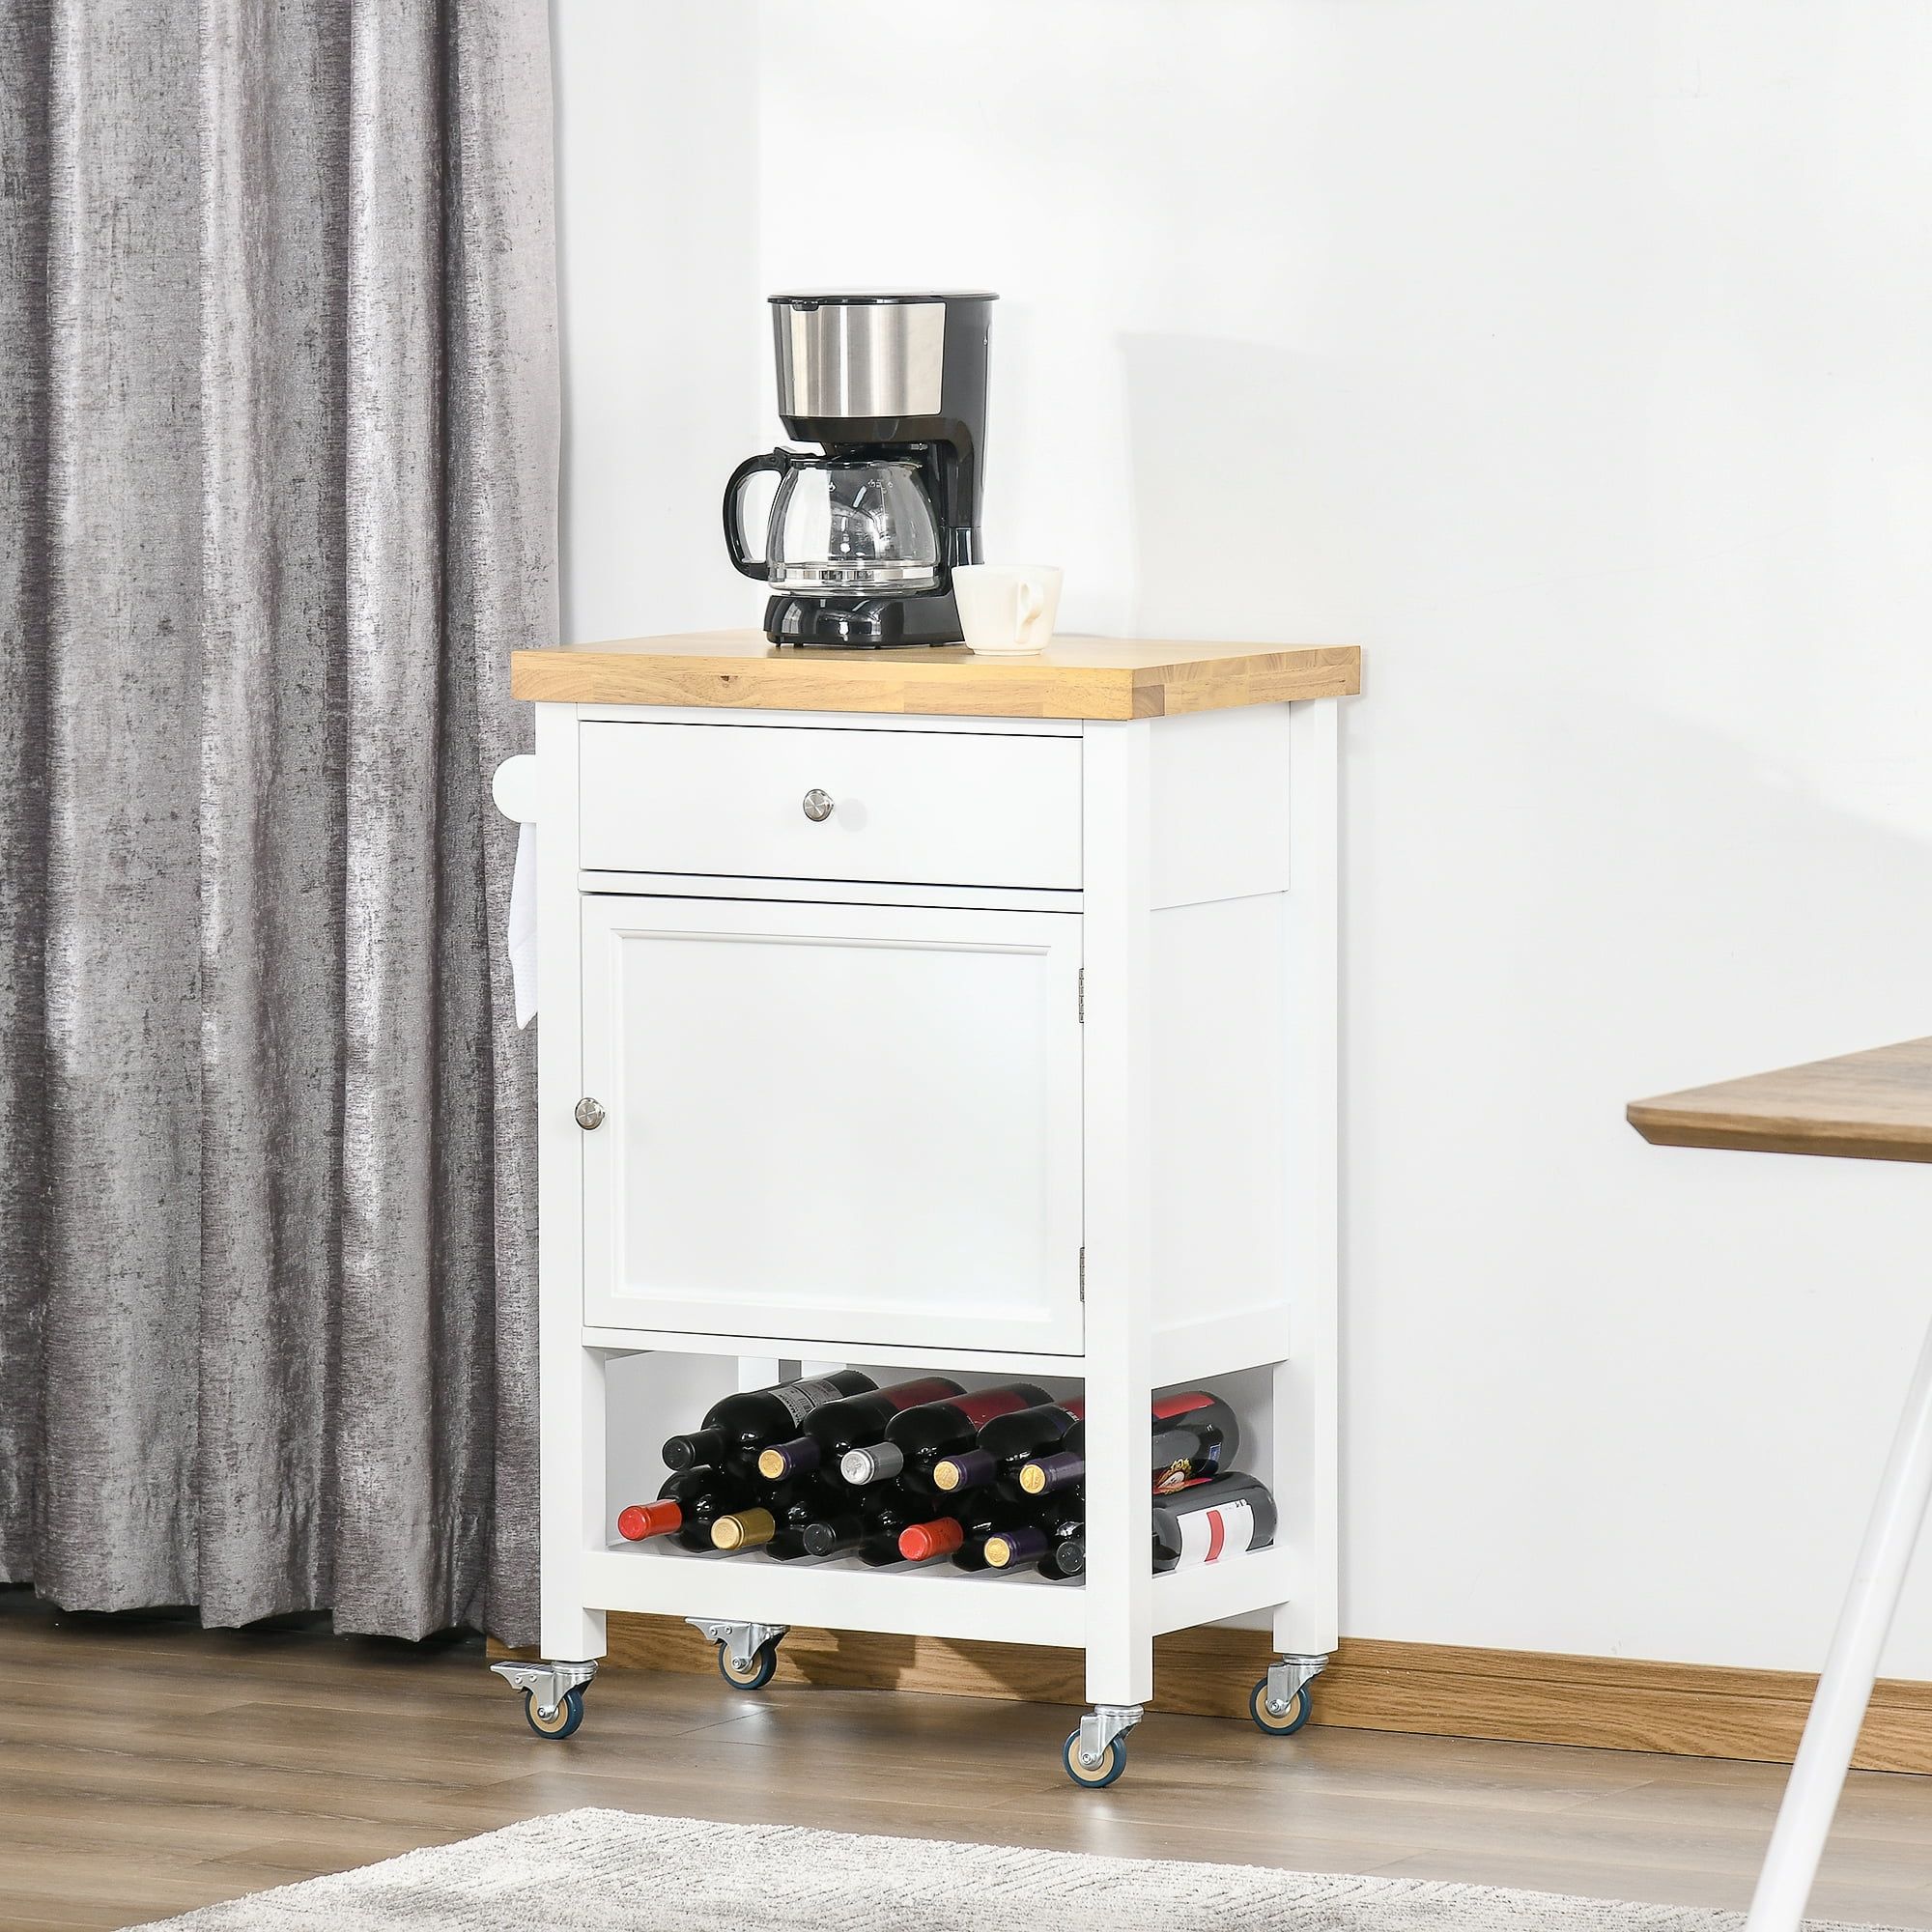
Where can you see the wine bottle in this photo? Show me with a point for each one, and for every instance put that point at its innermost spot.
(853, 1422)
(1195, 1436)
(737, 1430)
(690, 1502)
(837, 1533)
(964, 1533)
(867, 1523)
(776, 1524)
(1208, 1521)
(1056, 1546)
(915, 1438)
(1005, 1443)
(1215, 1517)
(1069, 1556)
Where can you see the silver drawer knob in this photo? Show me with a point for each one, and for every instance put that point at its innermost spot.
(818, 806)
(589, 1114)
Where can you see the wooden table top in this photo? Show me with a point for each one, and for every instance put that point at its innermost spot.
(1073, 677)
(1875, 1105)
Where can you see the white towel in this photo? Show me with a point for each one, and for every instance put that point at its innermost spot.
(523, 932)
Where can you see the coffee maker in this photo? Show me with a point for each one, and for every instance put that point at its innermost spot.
(863, 539)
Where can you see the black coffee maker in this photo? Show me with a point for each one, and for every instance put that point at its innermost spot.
(863, 540)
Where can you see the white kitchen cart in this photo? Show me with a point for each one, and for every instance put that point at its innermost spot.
(917, 1009)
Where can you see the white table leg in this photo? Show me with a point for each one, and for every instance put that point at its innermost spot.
(1831, 1731)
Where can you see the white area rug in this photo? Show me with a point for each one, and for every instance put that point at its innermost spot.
(614, 1871)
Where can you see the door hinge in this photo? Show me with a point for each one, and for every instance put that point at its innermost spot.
(1083, 996)
(1083, 1274)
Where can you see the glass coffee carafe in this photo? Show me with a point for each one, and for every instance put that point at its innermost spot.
(849, 526)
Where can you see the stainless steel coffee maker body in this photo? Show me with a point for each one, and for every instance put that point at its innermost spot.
(864, 539)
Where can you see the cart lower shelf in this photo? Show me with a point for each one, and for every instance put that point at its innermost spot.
(937, 1601)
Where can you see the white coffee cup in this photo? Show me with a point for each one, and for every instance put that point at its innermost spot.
(1006, 609)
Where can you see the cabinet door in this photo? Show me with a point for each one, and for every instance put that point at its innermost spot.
(839, 1123)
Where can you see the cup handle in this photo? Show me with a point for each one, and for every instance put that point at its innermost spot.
(1029, 602)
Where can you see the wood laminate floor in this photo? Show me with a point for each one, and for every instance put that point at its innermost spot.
(148, 1767)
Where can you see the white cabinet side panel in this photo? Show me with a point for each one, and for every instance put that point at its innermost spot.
(1220, 811)
(1220, 1114)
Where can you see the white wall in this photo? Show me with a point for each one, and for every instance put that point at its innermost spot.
(662, 311)
(1572, 360)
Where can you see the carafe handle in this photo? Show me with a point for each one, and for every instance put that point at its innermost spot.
(778, 460)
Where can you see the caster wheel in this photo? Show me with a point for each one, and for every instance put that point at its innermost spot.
(1291, 1719)
(755, 1674)
(1113, 1761)
(562, 1721)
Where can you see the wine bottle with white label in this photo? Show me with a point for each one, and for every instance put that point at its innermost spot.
(915, 1438)
(1208, 1521)
(737, 1430)
(1198, 1524)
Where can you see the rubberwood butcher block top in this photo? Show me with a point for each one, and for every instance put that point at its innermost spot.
(1073, 677)
(1875, 1105)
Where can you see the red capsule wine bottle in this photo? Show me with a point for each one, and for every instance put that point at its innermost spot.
(1005, 1444)
(776, 1524)
(1195, 1436)
(1208, 1521)
(853, 1422)
(964, 1534)
(1056, 1546)
(690, 1502)
(867, 1523)
(915, 1438)
(738, 1430)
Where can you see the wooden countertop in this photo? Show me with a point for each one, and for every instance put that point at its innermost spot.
(1875, 1105)
(1073, 677)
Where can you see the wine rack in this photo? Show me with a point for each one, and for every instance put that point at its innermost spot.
(1080, 1134)
(923, 1599)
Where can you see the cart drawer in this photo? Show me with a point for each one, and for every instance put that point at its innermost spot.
(808, 802)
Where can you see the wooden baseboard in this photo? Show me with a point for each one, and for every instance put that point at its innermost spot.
(1522, 1696)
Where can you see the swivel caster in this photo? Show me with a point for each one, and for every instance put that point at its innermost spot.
(1282, 1723)
(1281, 1702)
(561, 1723)
(1097, 1776)
(750, 1673)
(553, 1695)
(1096, 1753)
(748, 1654)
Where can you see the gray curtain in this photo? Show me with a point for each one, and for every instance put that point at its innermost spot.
(278, 498)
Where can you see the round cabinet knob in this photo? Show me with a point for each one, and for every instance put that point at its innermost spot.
(589, 1114)
(818, 806)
